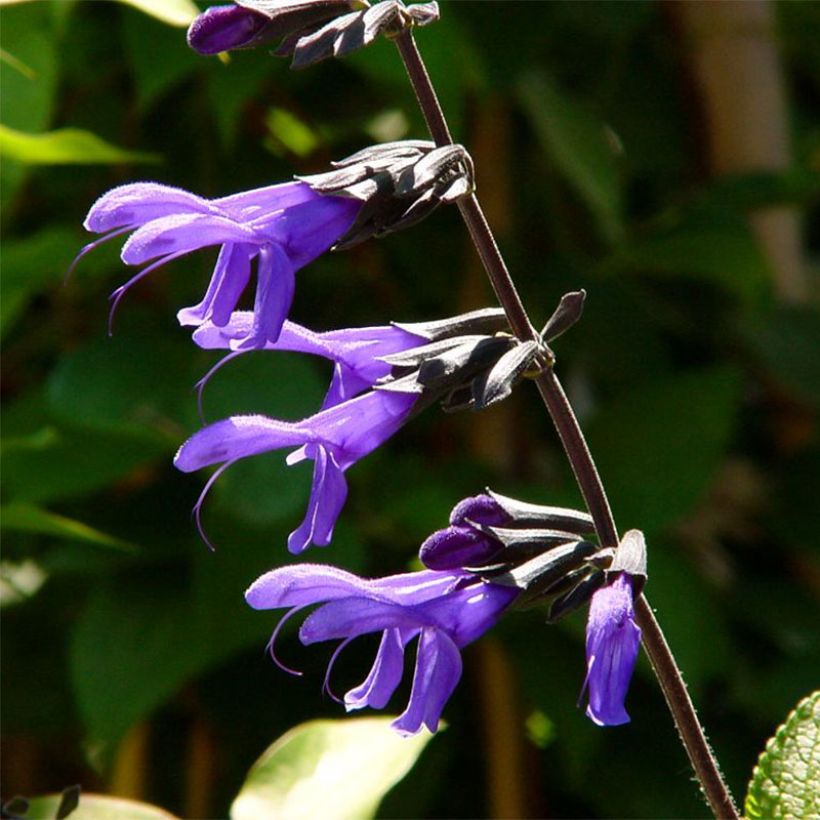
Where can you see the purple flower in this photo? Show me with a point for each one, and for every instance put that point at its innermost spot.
(356, 352)
(280, 227)
(445, 610)
(334, 439)
(613, 639)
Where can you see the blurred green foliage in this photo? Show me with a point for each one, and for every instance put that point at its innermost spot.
(698, 390)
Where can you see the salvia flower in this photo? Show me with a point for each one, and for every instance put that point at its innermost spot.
(444, 611)
(355, 352)
(612, 643)
(334, 439)
(280, 229)
(310, 30)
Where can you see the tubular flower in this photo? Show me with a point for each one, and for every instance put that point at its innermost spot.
(335, 439)
(612, 643)
(444, 610)
(281, 228)
(355, 352)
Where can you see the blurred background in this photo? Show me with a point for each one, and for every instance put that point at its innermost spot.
(664, 156)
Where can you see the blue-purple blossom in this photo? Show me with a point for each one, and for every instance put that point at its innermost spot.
(462, 544)
(334, 439)
(444, 610)
(355, 352)
(280, 229)
(613, 640)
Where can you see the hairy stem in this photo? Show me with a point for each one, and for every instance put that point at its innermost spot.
(574, 444)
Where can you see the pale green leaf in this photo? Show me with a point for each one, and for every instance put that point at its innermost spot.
(21, 517)
(173, 12)
(96, 807)
(786, 780)
(334, 769)
(66, 146)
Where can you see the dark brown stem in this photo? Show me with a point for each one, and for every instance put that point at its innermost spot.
(574, 444)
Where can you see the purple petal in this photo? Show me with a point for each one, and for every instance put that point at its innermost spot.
(237, 437)
(351, 617)
(438, 670)
(129, 206)
(384, 676)
(266, 200)
(344, 385)
(612, 644)
(303, 584)
(275, 286)
(229, 279)
(182, 233)
(221, 28)
(327, 497)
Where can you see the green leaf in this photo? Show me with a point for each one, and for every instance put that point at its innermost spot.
(173, 12)
(30, 518)
(580, 146)
(334, 769)
(66, 146)
(786, 780)
(658, 446)
(96, 807)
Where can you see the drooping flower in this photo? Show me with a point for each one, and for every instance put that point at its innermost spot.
(335, 439)
(281, 228)
(612, 643)
(355, 352)
(444, 610)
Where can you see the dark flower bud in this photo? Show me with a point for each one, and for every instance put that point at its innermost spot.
(399, 183)
(251, 23)
(479, 509)
(463, 544)
(457, 546)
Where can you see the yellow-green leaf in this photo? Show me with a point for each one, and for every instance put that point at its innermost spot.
(334, 769)
(66, 146)
(786, 780)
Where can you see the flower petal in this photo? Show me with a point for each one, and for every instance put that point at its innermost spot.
(327, 497)
(229, 279)
(129, 206)
(275, 286)
(237, 437)
(438, 671)
(182, 233)
(612, 644)
(303, 584)
(384, 676)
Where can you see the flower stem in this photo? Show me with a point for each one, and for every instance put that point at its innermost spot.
(574, 444)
